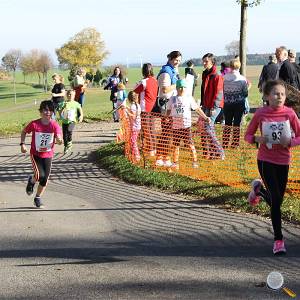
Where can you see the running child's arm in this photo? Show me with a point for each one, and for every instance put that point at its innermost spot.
(22, 143)
(250, 136)
(58, 134)
(58, 139)
(201, 113)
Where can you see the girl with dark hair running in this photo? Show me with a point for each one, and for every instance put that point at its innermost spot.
(45, 133)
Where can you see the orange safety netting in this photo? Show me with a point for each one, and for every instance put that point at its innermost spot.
(213, 153)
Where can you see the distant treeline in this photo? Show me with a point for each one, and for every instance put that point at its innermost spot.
(252, 59)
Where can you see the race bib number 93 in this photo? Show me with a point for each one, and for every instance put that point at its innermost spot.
(274, 130)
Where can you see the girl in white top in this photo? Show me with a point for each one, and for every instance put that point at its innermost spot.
(179, 107)
(134, 114)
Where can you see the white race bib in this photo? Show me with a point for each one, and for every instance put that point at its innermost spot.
(43, 141)
(274, 130)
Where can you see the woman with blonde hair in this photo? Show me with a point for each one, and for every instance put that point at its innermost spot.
(235, 97)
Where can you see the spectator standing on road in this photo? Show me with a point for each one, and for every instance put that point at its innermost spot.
(279, 131)
(45, 133)
(112, 85)
(79, 85)
(147, 91)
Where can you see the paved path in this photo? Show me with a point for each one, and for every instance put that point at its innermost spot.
(100, 238)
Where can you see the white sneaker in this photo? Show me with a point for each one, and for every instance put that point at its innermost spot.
(159, 163)
(167, 163)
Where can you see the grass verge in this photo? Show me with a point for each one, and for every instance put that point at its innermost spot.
(111, 157)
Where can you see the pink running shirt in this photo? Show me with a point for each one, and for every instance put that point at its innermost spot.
(43, 137)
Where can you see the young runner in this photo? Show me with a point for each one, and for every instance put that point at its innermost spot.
(280, 130)
(45, 132)
(70, 113)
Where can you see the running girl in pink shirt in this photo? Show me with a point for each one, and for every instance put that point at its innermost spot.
(45, 132)
(280, 130)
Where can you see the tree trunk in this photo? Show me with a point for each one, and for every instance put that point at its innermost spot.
(46, 81)
(15, 92)
(243, 35)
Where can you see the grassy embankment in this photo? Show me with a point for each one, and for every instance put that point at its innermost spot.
(14, 116)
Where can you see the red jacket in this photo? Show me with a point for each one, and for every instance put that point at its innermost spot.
(212, 89)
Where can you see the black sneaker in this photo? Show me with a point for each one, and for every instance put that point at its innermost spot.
(38, 202)
(30, 186)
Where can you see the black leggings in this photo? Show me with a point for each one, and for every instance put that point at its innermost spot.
(275, 179)
(41, 168)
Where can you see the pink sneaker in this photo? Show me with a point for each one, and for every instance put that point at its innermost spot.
(279, 247)
(253, 197)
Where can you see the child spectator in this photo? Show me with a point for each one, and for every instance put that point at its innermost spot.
(135, 124)
(121, 99)
(179, 107)
(70, 113)
(276, 122)
(45, 133)
(79, 85)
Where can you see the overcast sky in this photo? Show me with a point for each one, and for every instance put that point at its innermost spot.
(134, 29)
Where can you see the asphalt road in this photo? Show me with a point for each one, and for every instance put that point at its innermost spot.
(100, 238)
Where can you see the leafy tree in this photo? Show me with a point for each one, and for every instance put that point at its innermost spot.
(243, 30)
(11, 61)
(98, 76)
(27, 65)
(86, 49)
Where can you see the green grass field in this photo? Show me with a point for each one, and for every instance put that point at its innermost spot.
(97, 105)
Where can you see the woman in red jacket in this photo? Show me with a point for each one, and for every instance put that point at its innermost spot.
(212, 102)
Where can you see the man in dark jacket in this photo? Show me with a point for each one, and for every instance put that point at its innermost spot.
(268, 72)
(292, 60)
(287, 71)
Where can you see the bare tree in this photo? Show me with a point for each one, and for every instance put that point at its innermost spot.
(243, 30)
(11, 61)
(232, 48)
(44, 64)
